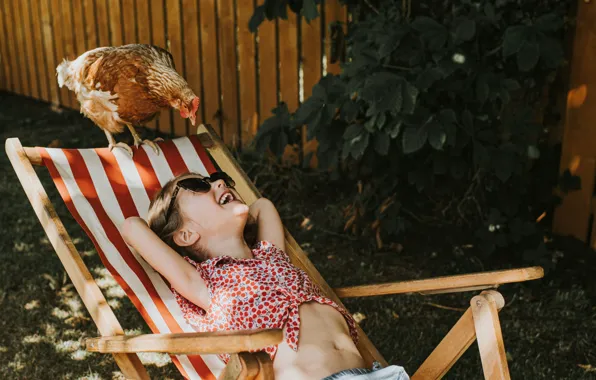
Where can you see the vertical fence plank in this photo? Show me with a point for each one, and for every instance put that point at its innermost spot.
(268, 88)
(143, 21)
(248, 76)
(288, 73)
(288, 61)
(11, 26)
(311, 69)
(21, 50)
(5, 52)
(334, 11)
(209, 60)
(65, 47)
(115, 20)
(90, 24)
(41, 58)
(572, 216)
(79, 28)
(49, 37)
(228, 72)
(129, 35)
(192, 53)
(32, 65)
(164, 123)
(174, 43)
(103, 27)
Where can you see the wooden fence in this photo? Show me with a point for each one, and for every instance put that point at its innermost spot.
(576, 215)
(239, 76)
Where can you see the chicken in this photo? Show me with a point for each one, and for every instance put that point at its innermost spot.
(127, 86)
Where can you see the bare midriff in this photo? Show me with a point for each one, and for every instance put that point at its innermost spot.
(324, 346)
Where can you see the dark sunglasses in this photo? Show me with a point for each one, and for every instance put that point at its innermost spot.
(198, 185)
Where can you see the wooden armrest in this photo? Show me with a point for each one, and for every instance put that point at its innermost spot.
(187, 343)
(447, 284)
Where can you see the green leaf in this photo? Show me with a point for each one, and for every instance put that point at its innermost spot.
(511, 84)
(353, 131)
(395, 129)
(513, 39)
(489, 11)
(503, 163)
(551, 52)
(468, 122)
(381, 120)
(447, 116)
(381, 143)
(436, 135)
(466, 30)
(257, 18)
(528, 55)
(413, 139)
(549, 22)
(482, 88)
(424, 24)
(309, 10)
(428, 77)
(431, 31)
(410, 95)
(481, 156)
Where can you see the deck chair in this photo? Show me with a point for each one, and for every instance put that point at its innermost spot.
(102, 188)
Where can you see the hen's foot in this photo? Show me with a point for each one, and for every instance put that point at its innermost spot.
(121, 145)
(153, 145)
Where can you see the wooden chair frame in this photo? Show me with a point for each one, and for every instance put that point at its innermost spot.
(480, 321)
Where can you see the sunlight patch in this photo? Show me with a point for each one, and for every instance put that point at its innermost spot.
(22, 246)
(68, 346)
(91, 376)
(79, 355)
(115, 291)
(32, 339)
(50, 330)
(60, 314)
(114, 304)
(34, 304)
(3, 349)
(156, 358)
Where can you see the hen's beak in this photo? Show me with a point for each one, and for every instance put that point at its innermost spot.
(193, 119)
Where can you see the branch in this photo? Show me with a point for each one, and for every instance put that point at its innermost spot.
(371, 6)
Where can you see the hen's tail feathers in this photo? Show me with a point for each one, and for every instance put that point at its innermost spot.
(64, 74)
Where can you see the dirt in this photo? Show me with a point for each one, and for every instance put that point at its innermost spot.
(549, 325)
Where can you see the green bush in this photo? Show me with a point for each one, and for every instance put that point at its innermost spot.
(448, 100)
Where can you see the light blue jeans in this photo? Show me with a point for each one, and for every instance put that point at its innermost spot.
(376, 373)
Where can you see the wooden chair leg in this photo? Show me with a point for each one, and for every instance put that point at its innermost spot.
(265, 366)
(485, 309)
(247, 366)
(451, 348)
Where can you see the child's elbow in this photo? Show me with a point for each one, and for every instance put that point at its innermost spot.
(130, 227)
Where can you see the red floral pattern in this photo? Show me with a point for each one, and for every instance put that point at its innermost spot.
(260, 293)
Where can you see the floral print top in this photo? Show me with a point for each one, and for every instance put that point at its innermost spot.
(259, 293)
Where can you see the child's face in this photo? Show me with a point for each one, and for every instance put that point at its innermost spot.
(218, 212)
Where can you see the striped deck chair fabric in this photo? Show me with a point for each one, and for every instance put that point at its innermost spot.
(101, 189)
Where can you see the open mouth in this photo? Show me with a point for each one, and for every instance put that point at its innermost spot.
(226, 198)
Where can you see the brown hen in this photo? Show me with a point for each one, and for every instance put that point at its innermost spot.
(127, 86)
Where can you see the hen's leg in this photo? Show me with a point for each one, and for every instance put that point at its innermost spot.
(138, 140)
(112, 143)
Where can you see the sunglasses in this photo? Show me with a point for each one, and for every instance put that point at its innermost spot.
(198, 185)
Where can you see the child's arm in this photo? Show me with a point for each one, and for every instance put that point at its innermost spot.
(270, 227)
(182, 276)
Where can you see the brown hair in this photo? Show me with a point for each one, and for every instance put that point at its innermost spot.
(165, 228)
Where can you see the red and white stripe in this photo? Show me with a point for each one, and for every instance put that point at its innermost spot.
(101, 189)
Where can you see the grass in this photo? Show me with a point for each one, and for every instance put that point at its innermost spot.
(549, 325)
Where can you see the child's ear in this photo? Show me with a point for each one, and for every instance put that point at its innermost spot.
(185, 237)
